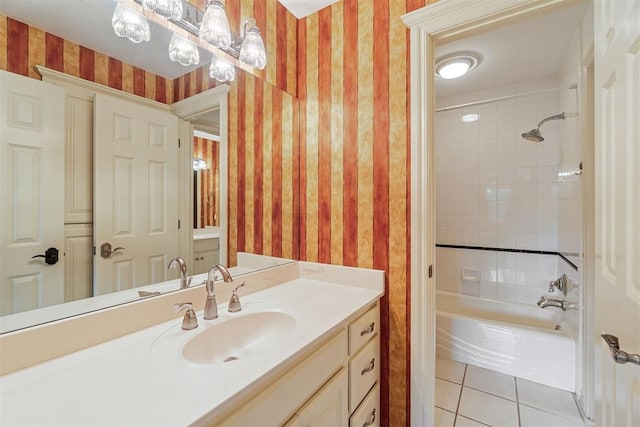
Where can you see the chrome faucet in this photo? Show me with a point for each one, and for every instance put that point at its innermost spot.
(184, 282)
(549, 302)
(560, 283)
(211, 306)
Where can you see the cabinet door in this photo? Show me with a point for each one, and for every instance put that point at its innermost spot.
(328, 407)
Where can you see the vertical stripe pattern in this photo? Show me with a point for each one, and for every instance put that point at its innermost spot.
(22, 47)
(354, 161)
(209, 151)
(262, 178)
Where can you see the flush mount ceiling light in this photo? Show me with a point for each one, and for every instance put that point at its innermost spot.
(456, 65)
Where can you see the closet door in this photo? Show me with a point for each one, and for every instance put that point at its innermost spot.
(136, 195)
(31, 194)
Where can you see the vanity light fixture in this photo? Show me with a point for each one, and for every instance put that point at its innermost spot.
(221, 70)
(252, 50)
(183, 51)
(170, 9)
(214, 28)
(129, 24)
(211, 28)
(455, 65)
(199, 164)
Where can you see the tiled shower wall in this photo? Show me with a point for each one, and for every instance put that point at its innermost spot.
(495, 189)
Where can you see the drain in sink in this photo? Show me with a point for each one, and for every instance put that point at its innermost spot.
(230, 358)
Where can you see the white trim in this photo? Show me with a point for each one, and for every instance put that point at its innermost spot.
(206, 135)
(586, 394)
(440, 21)
(66, 80)
(193, 106)
(189, 109)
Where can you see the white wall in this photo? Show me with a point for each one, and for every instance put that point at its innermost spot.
(495, 189)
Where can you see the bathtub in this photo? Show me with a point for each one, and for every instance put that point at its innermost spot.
(512, 338)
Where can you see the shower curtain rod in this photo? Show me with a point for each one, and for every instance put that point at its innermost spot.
(505, 98)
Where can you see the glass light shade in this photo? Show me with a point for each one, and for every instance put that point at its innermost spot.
(221, 70)
(183, 51)
(127, 23)
(170, 9)
(455, 66)
(199, 164)
(214, 28)
(252, 50)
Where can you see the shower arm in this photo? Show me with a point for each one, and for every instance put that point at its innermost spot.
(556, 117)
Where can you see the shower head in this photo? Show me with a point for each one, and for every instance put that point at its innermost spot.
(534, 135)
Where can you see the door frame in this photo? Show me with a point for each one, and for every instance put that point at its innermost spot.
(439, 22)
(186, 110)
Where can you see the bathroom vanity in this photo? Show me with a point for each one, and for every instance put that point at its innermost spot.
(304, 348)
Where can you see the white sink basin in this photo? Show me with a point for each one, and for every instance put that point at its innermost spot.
(238, 337)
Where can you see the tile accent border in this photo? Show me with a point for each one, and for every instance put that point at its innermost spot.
(524, 251)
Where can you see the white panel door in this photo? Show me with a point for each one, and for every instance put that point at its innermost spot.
(617, 154)
(135, 193)
(31, 193)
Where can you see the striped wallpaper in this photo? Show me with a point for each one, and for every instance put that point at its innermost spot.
(209, 151)
(23, 46)
(353, 88)
(342, 113)
(263, 159)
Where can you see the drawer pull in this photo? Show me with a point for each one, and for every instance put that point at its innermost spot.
(369, 368)
(371, 419)
(368, 330)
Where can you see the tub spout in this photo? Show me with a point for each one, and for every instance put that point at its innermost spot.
(562, 304)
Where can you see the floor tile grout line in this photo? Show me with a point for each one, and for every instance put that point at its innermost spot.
(515, 383)
(555, 414)
(464, 374)
(491, 394)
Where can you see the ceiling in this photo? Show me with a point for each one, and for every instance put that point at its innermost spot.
(519, 52)
(302, 8)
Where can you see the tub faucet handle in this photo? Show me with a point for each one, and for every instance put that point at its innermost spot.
(560, 283)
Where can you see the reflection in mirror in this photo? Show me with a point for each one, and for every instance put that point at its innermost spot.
(25, 299)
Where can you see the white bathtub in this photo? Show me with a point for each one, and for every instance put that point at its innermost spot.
(515, 339)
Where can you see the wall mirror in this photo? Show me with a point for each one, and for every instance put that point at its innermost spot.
(200, 196)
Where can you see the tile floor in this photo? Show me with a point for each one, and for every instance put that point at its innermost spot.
(467, 395)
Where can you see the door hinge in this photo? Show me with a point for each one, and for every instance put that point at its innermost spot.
(94, 250)
(178, 224)
(178, 142)
(430, 271)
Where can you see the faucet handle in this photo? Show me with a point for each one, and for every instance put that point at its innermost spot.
(234, 302)
(189, 321)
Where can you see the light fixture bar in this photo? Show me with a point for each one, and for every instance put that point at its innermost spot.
(189, 30)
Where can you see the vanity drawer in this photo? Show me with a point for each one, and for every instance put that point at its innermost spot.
(363, 328)
(364, 371)
(368, 414)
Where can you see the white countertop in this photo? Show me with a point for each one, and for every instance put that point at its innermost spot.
(143, 379)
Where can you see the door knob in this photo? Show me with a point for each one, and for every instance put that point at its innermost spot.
(106, 251)
(618, 355)
(50, 256)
